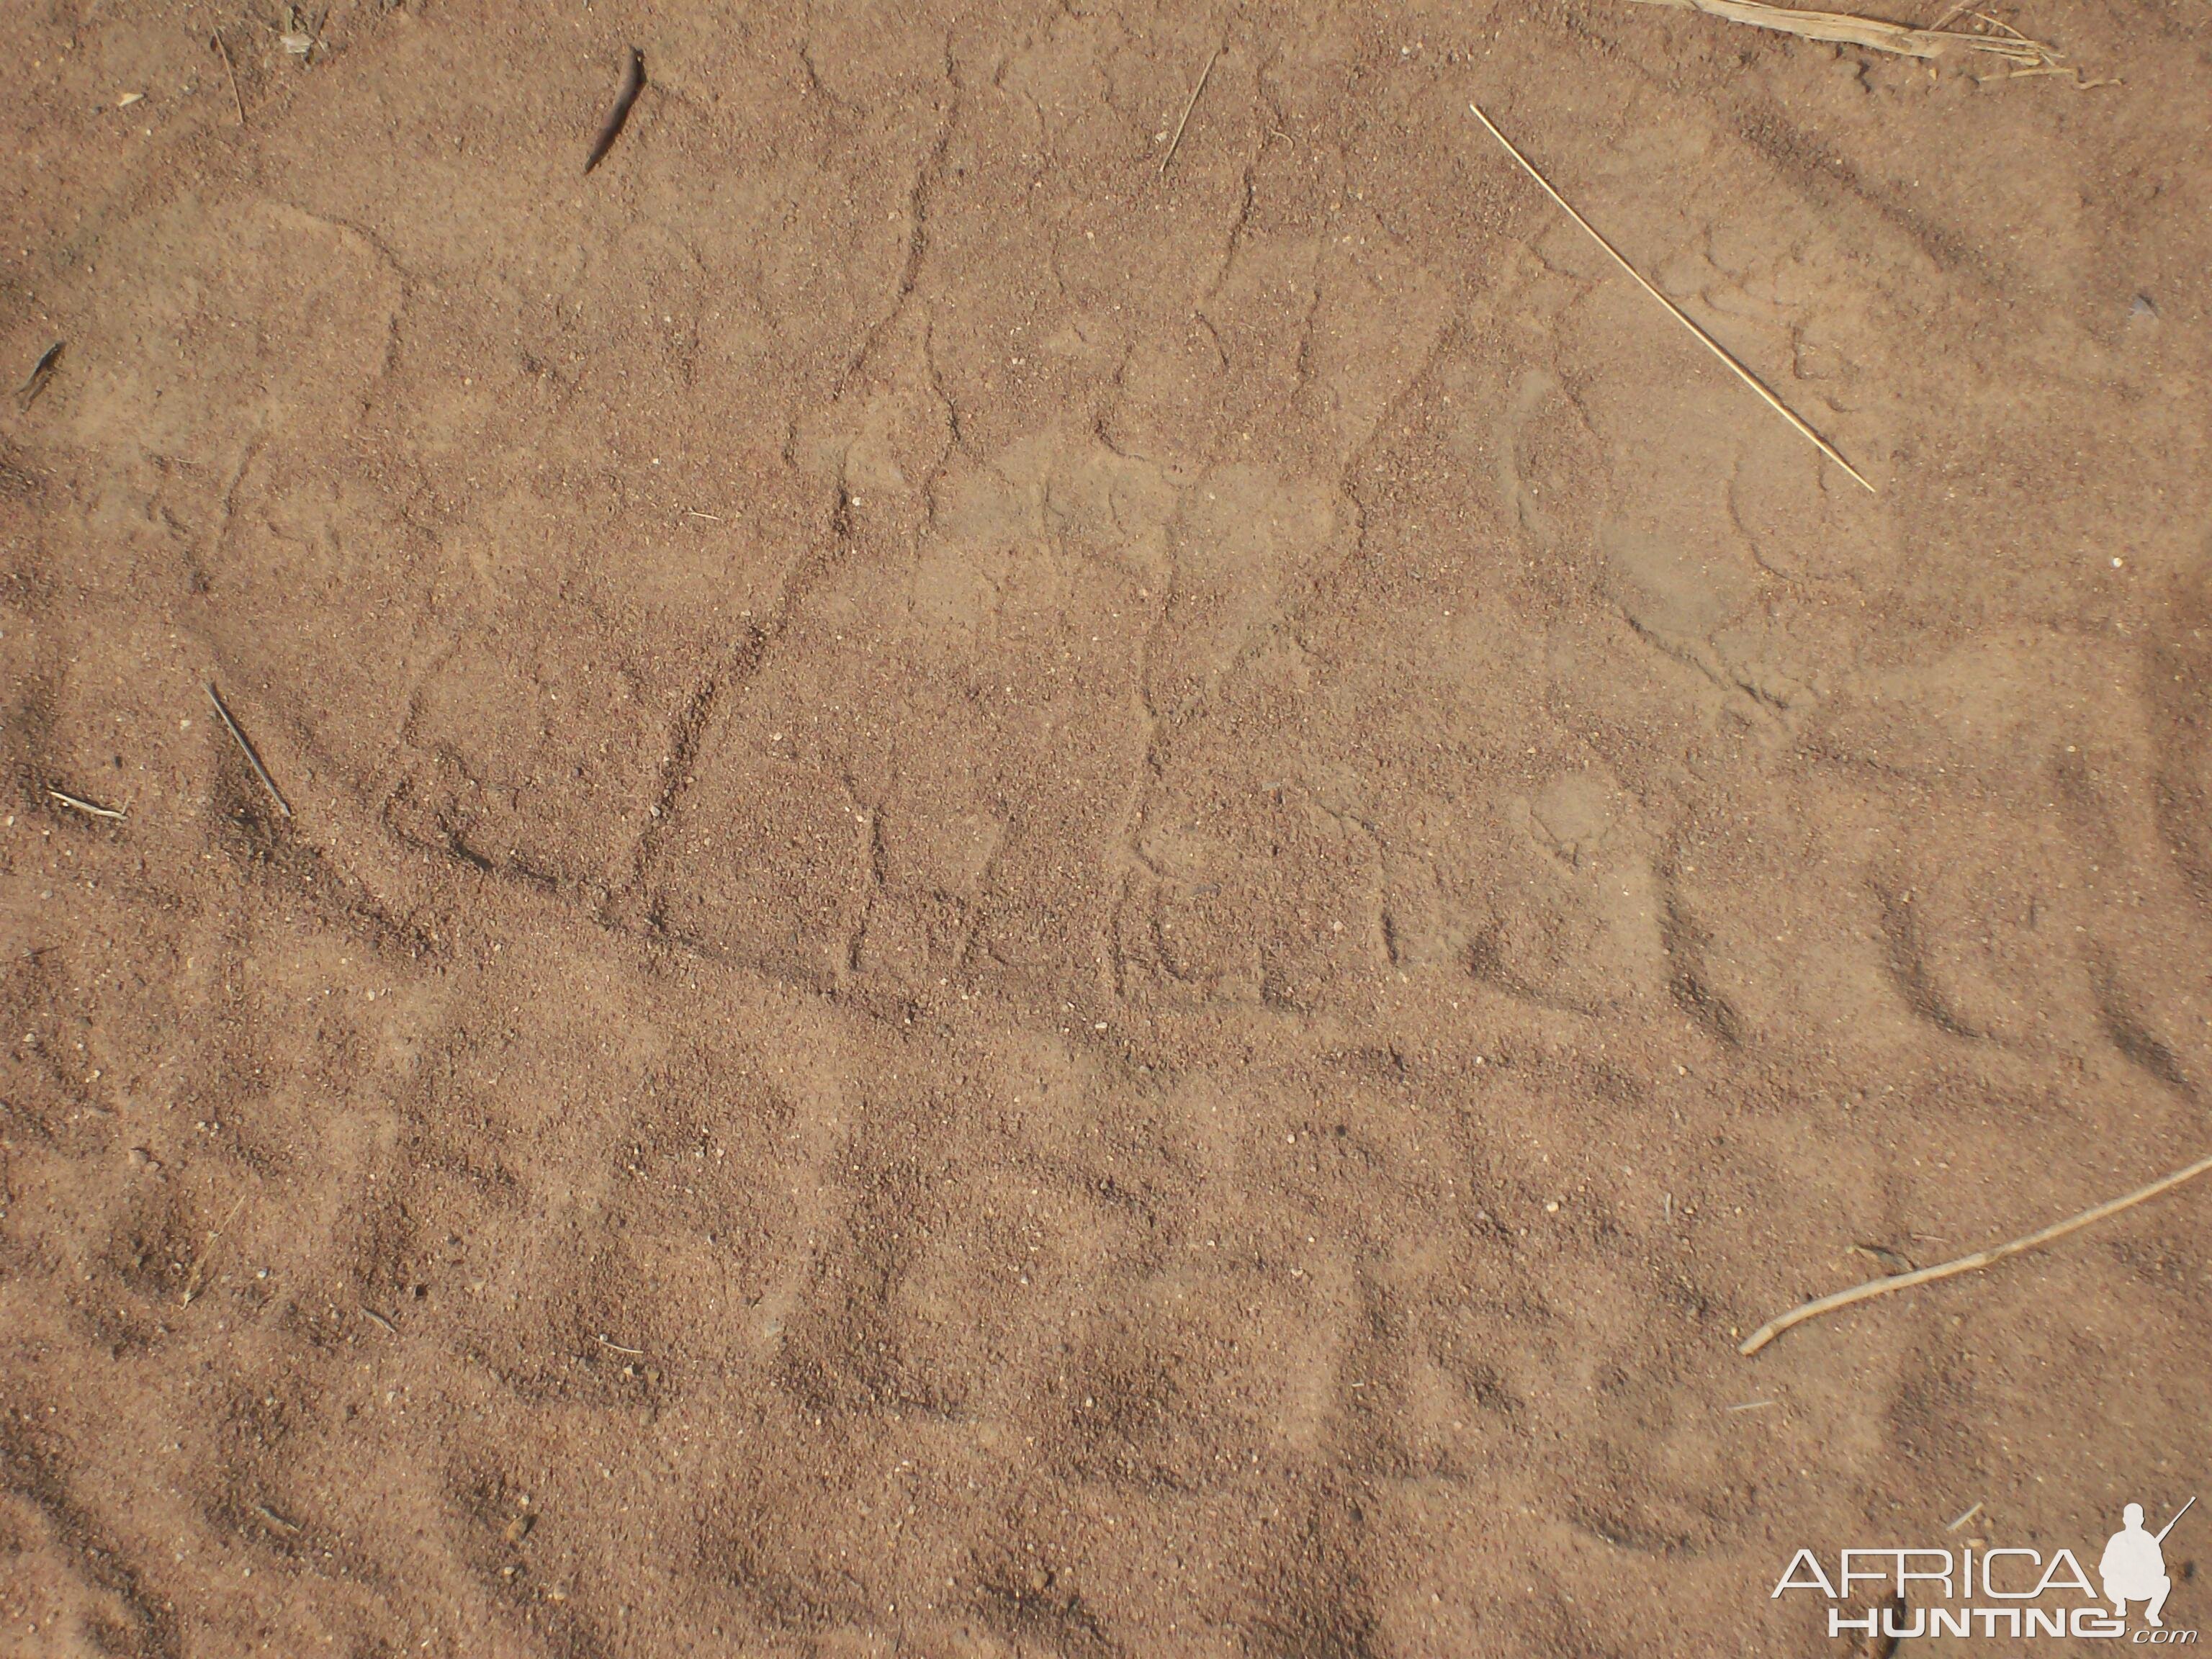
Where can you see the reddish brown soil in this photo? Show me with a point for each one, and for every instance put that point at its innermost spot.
(1039, 909)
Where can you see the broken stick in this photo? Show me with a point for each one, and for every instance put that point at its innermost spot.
(1774, 1327)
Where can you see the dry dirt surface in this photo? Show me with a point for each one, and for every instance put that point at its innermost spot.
(1046, 899)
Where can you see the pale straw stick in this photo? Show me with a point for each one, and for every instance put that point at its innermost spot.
(1712, 344)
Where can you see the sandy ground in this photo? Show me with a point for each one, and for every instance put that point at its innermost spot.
(1037, 907)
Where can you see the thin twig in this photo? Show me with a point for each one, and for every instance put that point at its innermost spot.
(1680, 316)
(1774, 1327)
(231, 69)
(1196, 93)
(75, 804)
(246, 746)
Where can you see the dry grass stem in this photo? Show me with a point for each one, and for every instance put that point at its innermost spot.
(1196, 93)
(1844, 29)
(237, 98)
(1679, 315)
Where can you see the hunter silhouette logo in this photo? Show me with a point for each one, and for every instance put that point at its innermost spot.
(2133, 1567)
(1883, 1596)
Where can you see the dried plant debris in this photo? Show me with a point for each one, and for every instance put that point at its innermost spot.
(633, 83)
(42, 373)
(301, 39)
(79, 803)
(1196, 93)
(1795, 421)
(1844, 29)
(246, 747)
(230, 69)
(1889, 1261)
(1874, 1287)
